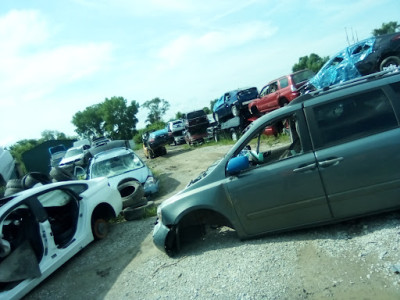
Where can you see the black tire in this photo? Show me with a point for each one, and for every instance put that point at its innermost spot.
(131, 214)
(139, 203)
(234, 136)
(60, 174)
(235, 110)
(391, 60)
(255, 111)
(14, 183)
(131, 192)
(216, 136)
(99, 228)
(283, 102)
(163, 151)
(32, 178)
(216, 118)
(11, 191)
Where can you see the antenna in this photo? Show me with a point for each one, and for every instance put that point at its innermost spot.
(347, 36)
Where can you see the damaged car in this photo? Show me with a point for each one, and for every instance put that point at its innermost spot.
(43, 227)
(122, 165)
(337, 159)
(368, 56)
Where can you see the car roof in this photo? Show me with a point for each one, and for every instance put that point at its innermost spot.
(107, 154)
(160, 131)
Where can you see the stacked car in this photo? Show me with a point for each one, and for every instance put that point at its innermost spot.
(196, 124)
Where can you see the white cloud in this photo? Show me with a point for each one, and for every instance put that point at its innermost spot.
(212, 42)
(28, 76)
(19, 29)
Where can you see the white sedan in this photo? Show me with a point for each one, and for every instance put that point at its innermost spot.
(42, 227)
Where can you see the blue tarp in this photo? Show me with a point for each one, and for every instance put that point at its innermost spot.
(342, 67)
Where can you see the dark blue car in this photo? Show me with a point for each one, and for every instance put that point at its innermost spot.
(233, 103)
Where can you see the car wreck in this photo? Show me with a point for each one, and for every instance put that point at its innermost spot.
(314, 176)
(43, 227)
(362, 58)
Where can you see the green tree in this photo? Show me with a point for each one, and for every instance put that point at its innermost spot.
(313, 62)
(113, 118)
(20, 147)
(207, 110)
(179, 115)
(119, 118)
(157, 108)
(390, 27)
(212, 103)
(89, 122)
(48, 135)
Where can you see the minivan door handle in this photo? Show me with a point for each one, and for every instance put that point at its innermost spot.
(305, 168)
(330, 162)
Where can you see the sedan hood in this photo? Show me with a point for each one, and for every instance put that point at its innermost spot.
(138, 174)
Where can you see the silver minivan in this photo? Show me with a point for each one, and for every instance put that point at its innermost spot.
(336, 157)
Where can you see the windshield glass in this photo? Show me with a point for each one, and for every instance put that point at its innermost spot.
(116, 165)
(302, 76)
(73, 152)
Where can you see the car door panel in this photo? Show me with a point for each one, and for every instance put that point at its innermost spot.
(357, 142)
(364, 175)
(279, 195)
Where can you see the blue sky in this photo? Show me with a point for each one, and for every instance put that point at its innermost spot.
(58, 57)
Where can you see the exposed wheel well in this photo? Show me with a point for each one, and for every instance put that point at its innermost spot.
(254, 110)
(103, 211)
(283, 101)
(192, 225)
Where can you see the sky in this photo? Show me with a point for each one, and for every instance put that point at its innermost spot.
(59, 57)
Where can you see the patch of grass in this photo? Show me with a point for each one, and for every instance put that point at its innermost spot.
(150, 212)
(119, 219)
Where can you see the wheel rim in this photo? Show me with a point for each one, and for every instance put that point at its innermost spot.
(234, 136)
(235, 111)
(100, 229)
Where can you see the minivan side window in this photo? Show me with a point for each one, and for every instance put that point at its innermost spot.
(353, 117)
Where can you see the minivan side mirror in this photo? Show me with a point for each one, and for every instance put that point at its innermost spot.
(237, 164)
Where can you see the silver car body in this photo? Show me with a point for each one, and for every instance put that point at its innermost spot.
(339, 160)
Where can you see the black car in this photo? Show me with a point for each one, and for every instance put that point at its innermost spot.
(154, 143)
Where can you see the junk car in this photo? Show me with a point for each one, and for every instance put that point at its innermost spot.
(338, 159)
(368, 56)
(43, 227)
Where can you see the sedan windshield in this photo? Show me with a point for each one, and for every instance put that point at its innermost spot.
(116, 166)
(73, 152)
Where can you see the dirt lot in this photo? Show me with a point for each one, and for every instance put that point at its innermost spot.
(352, 260)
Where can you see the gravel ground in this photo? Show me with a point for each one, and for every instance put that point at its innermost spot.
(353, 260)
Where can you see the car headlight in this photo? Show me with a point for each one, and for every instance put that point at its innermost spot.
(149, 181)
